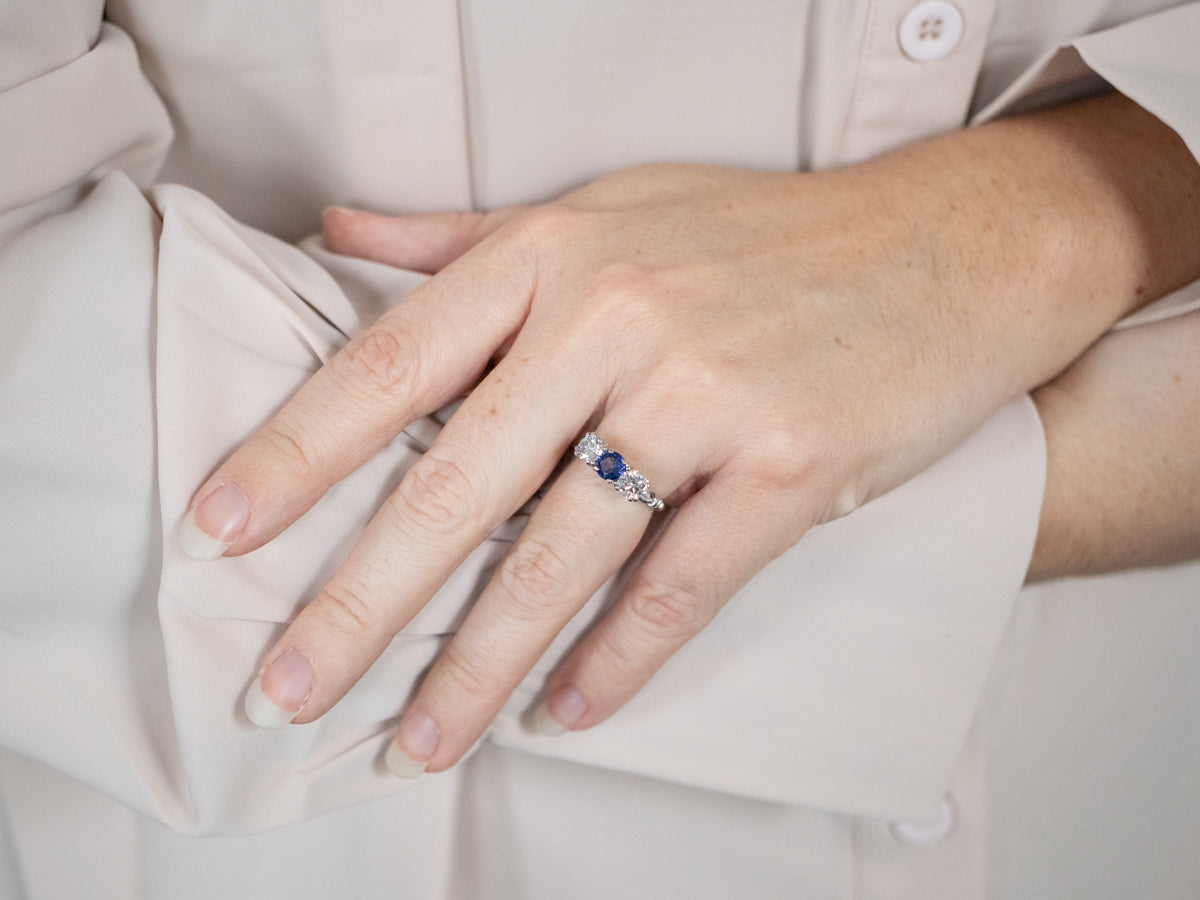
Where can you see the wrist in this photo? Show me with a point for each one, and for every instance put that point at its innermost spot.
(1041, 231)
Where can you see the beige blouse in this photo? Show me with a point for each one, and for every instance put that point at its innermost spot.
(161, 163)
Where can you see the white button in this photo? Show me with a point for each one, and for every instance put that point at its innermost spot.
(931, 30)
(926, 834)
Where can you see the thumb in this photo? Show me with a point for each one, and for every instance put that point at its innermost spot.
(426, 242)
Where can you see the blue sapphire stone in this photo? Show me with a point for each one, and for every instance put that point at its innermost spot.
(610, 465)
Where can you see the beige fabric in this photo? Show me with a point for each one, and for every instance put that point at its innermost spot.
(147, 330)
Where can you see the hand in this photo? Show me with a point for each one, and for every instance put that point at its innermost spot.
(771, 350)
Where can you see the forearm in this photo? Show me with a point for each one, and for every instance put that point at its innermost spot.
(1123, 469)
(1123, 454)
(1108, 193)
(1043, 230)
(1067, 220)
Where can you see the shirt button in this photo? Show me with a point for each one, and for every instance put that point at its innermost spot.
(926, 834)
(931, 30)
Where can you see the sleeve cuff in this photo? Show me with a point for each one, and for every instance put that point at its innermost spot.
(844, 676)
(1151, 60)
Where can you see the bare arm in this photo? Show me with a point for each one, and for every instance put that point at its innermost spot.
(1123, 465)
(1122, 429)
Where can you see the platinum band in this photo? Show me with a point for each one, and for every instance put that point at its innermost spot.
(610, 466)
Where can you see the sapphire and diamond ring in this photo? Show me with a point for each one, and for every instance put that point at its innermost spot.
(610, 466)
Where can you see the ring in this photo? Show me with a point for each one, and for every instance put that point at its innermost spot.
(610, 466)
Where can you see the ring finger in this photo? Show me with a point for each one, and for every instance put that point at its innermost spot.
(580, 534)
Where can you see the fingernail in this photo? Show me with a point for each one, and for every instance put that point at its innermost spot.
(280, 691)
(559, 712)
(415, 743)
(211, 528)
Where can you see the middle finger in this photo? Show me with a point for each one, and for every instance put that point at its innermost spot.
(580, 534)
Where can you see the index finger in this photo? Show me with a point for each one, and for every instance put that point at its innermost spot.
(474, 476)
(419, 355)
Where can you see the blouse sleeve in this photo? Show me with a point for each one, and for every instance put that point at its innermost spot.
(1152, 60)
(144, 334)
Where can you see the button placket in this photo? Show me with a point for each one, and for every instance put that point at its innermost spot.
(930, 31)
(916, 75)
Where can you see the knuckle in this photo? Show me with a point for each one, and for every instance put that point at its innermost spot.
(551, 223)
(533, 575)
(381, 362)
(780, 462)
(345, 611)
(700, 374)
(632, 297)
(623, 665)
(666, 610)
(438, 495)
(288, 449)
(627, 285)
(468, 677)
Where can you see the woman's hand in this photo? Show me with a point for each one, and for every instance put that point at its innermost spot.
(770, 350)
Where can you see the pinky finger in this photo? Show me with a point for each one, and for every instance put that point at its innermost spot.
(427, 242)
(676, 592)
